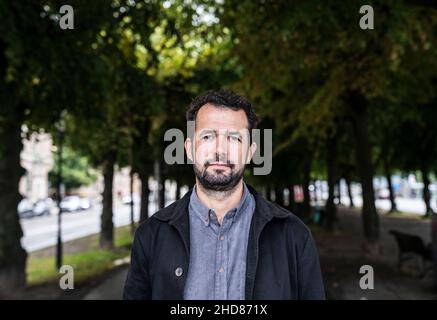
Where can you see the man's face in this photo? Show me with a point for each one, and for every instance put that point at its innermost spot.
(220, 147)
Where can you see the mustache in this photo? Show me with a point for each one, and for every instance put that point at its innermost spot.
(219, 158)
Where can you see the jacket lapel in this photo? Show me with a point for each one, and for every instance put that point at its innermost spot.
(259, 220)
(264, 212)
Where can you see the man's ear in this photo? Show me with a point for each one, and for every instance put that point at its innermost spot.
(251, 152)
(189, 149)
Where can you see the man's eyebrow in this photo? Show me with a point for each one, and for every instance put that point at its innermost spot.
(220, 131)
(234, 132)
(203, 131)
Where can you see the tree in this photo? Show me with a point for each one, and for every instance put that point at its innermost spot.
(324, 67)
(37, 81)
(76, 171)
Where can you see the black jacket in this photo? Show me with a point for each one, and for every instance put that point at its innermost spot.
(282, 260)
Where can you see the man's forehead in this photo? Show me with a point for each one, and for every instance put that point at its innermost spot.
(216, 118)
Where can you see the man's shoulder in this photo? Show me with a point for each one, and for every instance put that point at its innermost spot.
(292, 222)
(162, 216)
(168, 212)
(278, 211)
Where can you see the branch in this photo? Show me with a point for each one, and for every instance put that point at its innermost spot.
(424, 3)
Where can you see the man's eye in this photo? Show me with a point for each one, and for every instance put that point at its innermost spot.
(206, 137)
(234, 138)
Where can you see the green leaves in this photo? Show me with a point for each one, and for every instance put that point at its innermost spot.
(76, 170)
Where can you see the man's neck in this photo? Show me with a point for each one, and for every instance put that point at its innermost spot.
(220, 201)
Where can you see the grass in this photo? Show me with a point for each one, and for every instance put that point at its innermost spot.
(89, 263)
(407, 215)
(396, 214)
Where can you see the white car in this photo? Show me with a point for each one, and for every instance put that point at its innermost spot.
(74, 203)
(85, 203)
(25, 208)
(43, 207)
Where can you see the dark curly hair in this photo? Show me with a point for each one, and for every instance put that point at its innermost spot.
(223, 99)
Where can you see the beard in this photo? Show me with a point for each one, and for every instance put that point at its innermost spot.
(219, 180)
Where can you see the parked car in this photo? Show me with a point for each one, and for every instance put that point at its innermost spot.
(74, 203)
(85, 203)
(42, 207)
(25, 208)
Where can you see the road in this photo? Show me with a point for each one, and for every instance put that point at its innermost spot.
(41, 232)
(410, 205)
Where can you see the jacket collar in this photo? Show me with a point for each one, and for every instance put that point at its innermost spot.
(178, 210)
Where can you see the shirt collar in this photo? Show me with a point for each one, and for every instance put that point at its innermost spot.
(203, 212)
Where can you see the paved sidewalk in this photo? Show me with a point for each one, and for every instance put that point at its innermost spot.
(341, 258)
(111, 288)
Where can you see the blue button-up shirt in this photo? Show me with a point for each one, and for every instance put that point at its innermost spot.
(217, 269)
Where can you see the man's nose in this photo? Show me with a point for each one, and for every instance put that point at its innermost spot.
(221, 144)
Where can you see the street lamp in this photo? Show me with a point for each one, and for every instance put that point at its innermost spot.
(60, 131)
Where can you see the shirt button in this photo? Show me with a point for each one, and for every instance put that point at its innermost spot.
(178, 272)
(222, 237)
(221, 269)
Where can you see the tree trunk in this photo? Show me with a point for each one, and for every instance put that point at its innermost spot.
(316, 194)
(279, 195)
(387, 173)
(107, 225)
(276, 192)
(162, 193)
(144, 206)
(132, 203)
(191, 185)
(306, 190)
(426, 193)
(349, 193)
(269, 193)
(178, 190)
(363, 153)
(160, 181)
(337, 193)
(292, 200)
(331, 208)
(12, 255)
(264, 191)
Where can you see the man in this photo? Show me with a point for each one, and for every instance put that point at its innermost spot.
(223, 240)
